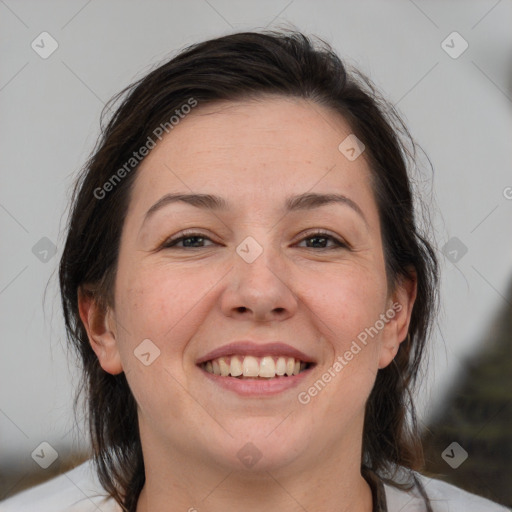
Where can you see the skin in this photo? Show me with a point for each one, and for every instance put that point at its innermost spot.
(191, 300)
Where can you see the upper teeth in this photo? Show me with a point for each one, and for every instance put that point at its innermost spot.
(250, 366)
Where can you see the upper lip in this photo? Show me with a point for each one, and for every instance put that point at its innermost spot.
(250, 348)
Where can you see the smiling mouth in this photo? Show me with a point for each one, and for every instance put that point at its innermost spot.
(251, 367)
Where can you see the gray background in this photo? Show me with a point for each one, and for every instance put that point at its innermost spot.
(459, 110)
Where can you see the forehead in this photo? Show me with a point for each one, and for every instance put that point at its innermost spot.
(253, 149)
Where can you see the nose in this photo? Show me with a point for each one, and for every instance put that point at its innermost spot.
(259, 290)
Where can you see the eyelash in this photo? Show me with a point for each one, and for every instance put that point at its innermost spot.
(171, 242)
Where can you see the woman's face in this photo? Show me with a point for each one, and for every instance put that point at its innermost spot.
(274, 267)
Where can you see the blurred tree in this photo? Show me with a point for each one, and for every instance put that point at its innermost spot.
(478, 416)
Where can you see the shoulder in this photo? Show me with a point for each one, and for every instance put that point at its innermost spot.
(77, 490)
(443, 497)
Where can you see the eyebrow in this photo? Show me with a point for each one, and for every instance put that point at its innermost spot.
(306, 201)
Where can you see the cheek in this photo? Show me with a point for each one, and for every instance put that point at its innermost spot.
(349, 302)
(162, 305)
(348, 305)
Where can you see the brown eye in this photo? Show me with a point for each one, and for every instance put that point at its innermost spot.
(320, 240)
(191, 240)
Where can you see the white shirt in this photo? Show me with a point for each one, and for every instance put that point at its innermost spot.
(79, 490)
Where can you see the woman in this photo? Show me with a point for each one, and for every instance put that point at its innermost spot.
(249, 292)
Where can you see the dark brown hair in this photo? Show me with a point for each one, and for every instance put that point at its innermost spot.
(237, 67)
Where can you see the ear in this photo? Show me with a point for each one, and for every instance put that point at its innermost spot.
(400, 309)
(99, 323)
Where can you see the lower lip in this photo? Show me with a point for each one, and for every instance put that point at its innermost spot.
(258, 387)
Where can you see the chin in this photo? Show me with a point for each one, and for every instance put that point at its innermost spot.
(260, 444)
